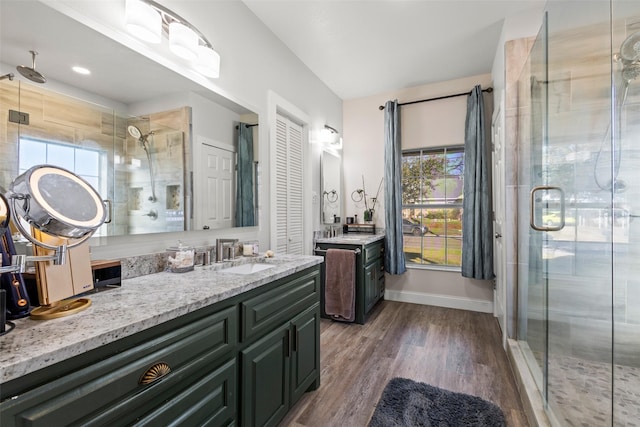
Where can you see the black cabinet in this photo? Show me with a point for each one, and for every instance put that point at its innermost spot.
(263, 345)
(370, 281)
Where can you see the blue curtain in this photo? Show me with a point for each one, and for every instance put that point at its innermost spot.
(477, 226)
(394, 251)
(245, 215)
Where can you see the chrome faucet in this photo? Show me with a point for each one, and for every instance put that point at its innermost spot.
(221, 245)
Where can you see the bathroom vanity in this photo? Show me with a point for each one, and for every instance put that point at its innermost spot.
(370, 282)
(208, 347)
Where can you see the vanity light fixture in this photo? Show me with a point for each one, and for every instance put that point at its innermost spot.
(149, 20)
(331, 137)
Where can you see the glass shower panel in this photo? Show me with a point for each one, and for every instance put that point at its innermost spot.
(625, 37)
(532, 287)
(579, 158)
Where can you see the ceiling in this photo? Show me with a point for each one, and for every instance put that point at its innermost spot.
(365, 47)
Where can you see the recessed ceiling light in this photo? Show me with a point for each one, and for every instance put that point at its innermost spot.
(81, 70)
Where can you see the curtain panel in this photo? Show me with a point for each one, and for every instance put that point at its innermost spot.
(394, 262)
(245, 216)
(477, 222)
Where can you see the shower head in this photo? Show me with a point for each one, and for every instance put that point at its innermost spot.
(31, 73)
(630, 48)
(134, 131)
(7, 76)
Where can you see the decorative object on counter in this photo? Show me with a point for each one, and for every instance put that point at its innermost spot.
(360, 195)
(349, 220)
(269, 254)
(368, 228)
(247, 249)
(250, 248)
(181, 259)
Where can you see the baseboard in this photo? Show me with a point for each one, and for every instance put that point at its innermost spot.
(440, 300)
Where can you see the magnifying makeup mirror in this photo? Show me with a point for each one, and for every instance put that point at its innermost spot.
(63, 211)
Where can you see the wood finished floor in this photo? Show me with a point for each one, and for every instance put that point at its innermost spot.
(453, 349)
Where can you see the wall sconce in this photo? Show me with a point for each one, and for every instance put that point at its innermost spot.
(331, 137)
(148, 21)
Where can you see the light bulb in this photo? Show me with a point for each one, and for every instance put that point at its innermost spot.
(143, 21)
(183, 41)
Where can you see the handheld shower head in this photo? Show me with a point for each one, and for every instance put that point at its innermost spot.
(135, 132)
(31, 73)
(630, 48)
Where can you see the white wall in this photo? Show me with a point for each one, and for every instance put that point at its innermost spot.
(253, 62)
(427, 124)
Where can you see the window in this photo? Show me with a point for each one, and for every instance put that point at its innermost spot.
(432, 191)
(87, 163)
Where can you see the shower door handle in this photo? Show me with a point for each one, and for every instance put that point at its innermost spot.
(532, 214)
(107, 203)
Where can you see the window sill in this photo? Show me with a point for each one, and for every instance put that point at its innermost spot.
(451, 269)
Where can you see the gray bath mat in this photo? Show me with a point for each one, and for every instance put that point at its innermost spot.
(408, 403)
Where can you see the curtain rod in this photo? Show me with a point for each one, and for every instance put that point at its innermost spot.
(488, 90)
(248, 126)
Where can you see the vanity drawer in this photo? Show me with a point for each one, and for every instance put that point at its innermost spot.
(269, 309)
(372, 252)
(134, 383)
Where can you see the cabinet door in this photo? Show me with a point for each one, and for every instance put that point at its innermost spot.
(371, 285)
(305, 357)
(265, 379)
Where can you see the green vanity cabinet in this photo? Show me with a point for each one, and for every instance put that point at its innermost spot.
(370, 281)
(187, 371)
(183, 372)
(278, 367)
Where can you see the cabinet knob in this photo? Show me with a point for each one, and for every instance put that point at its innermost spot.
(154, 373)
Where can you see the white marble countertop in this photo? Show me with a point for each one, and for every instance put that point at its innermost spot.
(352, 239)
(140, 303)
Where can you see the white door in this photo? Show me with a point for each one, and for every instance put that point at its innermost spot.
(217, 185)
(288, 186)
(500, 262)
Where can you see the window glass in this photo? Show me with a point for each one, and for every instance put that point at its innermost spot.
(432, 185)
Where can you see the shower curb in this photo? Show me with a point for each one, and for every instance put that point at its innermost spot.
(529, 395)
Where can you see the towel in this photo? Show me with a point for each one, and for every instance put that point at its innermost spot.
(340, 284)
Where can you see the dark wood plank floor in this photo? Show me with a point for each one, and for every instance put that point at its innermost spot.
(454, 349)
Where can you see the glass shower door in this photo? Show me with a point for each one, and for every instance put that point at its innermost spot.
(578, 257)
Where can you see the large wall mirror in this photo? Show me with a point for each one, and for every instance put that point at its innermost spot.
(160, 149)
(331, 180)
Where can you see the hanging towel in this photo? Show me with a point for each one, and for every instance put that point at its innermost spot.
(340, 284)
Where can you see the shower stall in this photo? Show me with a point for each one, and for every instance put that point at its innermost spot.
(578, 292)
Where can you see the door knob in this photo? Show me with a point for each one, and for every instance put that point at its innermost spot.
(498, 235)
(206, 227)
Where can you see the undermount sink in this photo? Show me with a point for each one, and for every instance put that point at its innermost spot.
(249, 268)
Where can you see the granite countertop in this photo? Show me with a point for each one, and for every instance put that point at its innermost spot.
(361, 239)
(140, 303)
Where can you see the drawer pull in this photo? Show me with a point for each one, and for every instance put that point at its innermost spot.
(154, 373)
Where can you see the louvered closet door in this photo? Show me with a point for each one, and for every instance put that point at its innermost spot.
(288, 186)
